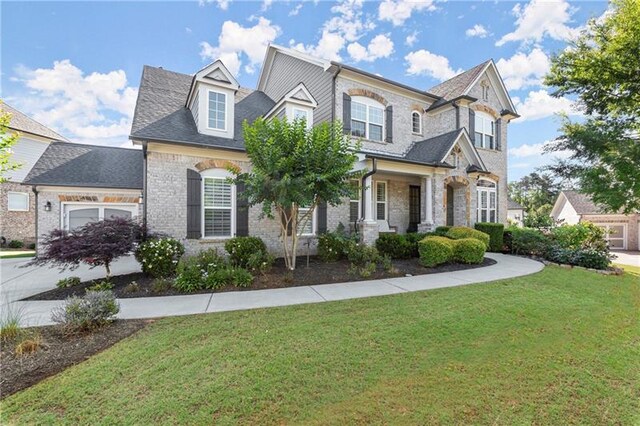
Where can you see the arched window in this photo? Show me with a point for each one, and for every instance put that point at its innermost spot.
(367, 118)
(416, 123)
(487, 200)
(484, 131)
(218, 204)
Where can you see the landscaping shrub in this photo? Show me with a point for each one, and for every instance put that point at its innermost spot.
(189, 277)
(132, 287)
(414, 238)
(15, 244)
(468, 250)
(103, 285)
(495, 231)
(363, 259)
(435, 250)
(241, 277)
(528, 241)
(209, 270)
(580, 236)
(249, 253)
(10, 319)
(395, 246)
(159, 257)
(68, 282)
(31, 246)
(29, 345)
(93, 310)
(160, 285)
(333, 246)
(591, 258)
(442, 230)
(459, 232)
(508, 241)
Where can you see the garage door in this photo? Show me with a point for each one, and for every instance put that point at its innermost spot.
(616, 234)
(77, 215)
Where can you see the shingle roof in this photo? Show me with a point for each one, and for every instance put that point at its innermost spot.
(582, 203)
(161, 114)
(513, 205)
(72, 164)
(457, 85)
(26, 124)
(433, 150)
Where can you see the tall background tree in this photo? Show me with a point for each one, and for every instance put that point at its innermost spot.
(295, 168)
(535, 192)
(7, 140)
(602, 68)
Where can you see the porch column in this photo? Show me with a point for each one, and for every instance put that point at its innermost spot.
(429, 200)
(368, 199)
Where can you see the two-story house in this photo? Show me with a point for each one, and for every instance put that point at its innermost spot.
(17, 202)
(433, 157)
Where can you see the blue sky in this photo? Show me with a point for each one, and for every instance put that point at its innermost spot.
(76, 66)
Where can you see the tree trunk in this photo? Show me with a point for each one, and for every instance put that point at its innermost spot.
(106, 266)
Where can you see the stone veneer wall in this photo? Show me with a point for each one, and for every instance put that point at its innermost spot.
(19, 226)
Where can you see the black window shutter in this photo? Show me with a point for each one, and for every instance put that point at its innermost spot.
(194, 204)
(389, 124)
(242, 211)
(346, 113)
(499, 134)
(322, 217)
(472, 126)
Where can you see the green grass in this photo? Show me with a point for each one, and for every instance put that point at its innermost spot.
(9, 255)
(561, 346)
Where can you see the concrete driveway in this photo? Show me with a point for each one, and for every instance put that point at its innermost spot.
(18, 281)
(627, 258)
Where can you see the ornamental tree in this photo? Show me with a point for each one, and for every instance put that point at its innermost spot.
(296, 167)
(95, 244)
(7, 140)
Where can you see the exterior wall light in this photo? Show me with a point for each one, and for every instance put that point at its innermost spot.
(47, 206)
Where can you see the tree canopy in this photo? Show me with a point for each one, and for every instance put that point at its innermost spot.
(537, 193)
(602, 68)
(7, 140)
(295, 167)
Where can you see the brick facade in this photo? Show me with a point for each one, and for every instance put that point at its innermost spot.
(17, 225)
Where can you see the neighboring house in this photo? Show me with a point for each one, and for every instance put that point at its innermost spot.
(77, 183)
(17, 202)
(515, 213)
(435, 157)
(572, 207)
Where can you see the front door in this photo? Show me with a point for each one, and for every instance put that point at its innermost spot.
(414, 208)
(449, 205)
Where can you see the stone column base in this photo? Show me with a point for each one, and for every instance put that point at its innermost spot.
(369, 232)
(426, 227)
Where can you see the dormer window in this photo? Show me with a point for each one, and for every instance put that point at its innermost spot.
(300, 114)
(367, 119)
(298, 104)
(416, 123)
(217, 110)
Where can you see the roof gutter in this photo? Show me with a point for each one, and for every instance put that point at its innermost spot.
(403, 160)
(333, 93)
(35, 191)
(455, 100)
(374, 169)
(144, 186)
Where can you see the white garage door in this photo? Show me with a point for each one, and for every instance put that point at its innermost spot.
(616, 234)
(76, 215)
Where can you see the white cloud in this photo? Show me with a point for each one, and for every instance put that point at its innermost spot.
(235, 40)
(222, 4)
(524, 70)
(477, 31)
(537, 150)
(540, 18)
(540, 104)
(296, 10)
(380, 46)
(96, 108)
(411, 39)
(328, 47)
(266, 4)
(398, 11)
(423, 62)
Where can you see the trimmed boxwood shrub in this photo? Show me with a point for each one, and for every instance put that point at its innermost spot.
(528, 241)
(395, 246)
(414, 238)
(495, 231)
(159, 258)
(460, 232)
(468, 250)
(435, 250)
(442, 230)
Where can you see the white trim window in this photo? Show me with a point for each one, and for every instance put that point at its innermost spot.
(300, 114)
(217, 118)
(416, 123)
(354, 203)
(18, 201)
(487, 201)
(218, 205)
(308, 227)
(484, 131)
(367, 119)
(381, 200)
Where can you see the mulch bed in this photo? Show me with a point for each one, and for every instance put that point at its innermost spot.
(318, 272)
(56, 353)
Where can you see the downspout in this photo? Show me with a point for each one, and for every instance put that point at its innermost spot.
(35, 191)
(144, 186)
(333, 93)
(374, 169)
(457, 107)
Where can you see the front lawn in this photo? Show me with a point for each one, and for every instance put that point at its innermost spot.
(561, 346)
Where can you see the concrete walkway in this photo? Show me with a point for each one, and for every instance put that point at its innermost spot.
(631, 258)
(39, 312)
